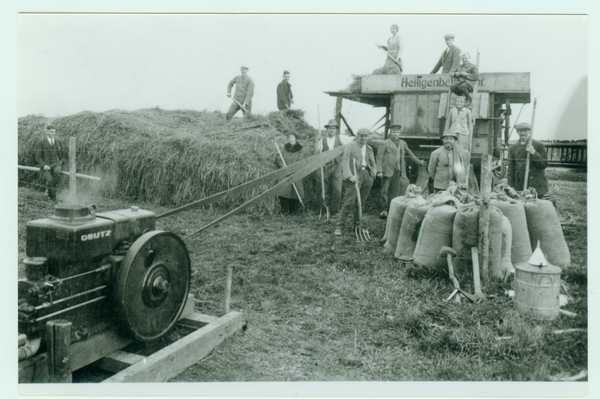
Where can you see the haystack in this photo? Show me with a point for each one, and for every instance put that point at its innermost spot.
(170, 157)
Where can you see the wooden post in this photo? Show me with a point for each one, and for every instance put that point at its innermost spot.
(338, 113)
(529, 143)
(58, 340)
(507, 121)
(228, 288)
(386, 131)
(484, 215)
(72, 170)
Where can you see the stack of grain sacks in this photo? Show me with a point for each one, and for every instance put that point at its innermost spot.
(419, 227)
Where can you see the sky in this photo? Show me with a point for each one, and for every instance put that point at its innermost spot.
(68, 63)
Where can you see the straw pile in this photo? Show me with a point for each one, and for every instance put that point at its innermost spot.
(170, 157)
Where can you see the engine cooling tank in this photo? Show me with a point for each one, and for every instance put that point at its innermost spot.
(537, 288)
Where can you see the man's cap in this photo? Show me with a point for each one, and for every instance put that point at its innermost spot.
(332, 122)
(396, 125)
(363, 131)
(449, 36)
(450, 134)
(50, 127)
(523, 126)
(244, 66)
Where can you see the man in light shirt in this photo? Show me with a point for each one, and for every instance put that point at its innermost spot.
(358, 166)
(49, 156)
(332, 172)
(244, 91)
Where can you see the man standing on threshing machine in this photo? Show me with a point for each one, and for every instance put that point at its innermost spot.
(391, 167)
(460, 121)
(358, 169)
(332, 172)
(244, 90)
(450, 57)
(538, 161)
(466, 74)
(49, 155)
(448, 163)
(285, 98)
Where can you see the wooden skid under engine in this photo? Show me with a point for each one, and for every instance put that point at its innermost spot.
(103, 351)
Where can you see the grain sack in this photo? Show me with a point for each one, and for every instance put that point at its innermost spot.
(521, 248)
(465, 235)
(544, 226)
(398, 207)
(409, 230)
(436, 232)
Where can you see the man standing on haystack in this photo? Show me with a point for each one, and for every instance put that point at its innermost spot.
(49, 155)
(332, 172)
(391, 167)
(244, 90)
(538, 162)
(285, 98)
(358, 166)
(450, 57)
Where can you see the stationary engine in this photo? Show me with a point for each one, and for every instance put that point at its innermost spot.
(98, 271)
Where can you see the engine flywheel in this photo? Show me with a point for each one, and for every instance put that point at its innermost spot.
(152, 285)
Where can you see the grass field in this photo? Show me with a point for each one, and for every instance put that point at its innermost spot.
(321, 308)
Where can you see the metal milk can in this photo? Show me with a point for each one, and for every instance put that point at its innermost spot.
(537, 287)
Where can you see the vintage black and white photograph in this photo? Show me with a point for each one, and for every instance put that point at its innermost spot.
(301, 197)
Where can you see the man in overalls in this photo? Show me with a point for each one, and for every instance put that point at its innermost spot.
(244, 90)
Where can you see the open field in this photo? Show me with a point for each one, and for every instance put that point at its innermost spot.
(320, 308)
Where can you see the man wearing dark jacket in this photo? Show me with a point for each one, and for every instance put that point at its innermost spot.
(358, 166)
(465, 74)
(244, 91)
(391, 167)
(285, 98)
(538, 161)
(49, 155)
(450, 57)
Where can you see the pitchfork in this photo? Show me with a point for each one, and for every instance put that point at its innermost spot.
(361, 233)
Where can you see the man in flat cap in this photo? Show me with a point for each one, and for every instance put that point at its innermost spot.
(49, 155)
(465, 74)
(450, 57)
(448, 163)
(358, 166)
(285, 98)
(538, 161)
(244, 90)
(332, 172)
(391, 167)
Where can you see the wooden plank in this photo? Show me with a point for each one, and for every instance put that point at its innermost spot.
(61, 348)
(174, 359)
(118, 361)
(188, 308)
(96, 347)
(484, 104)
(72, 167)
(484, 216)
(515, 82)
(204, 318)
(34, 370)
